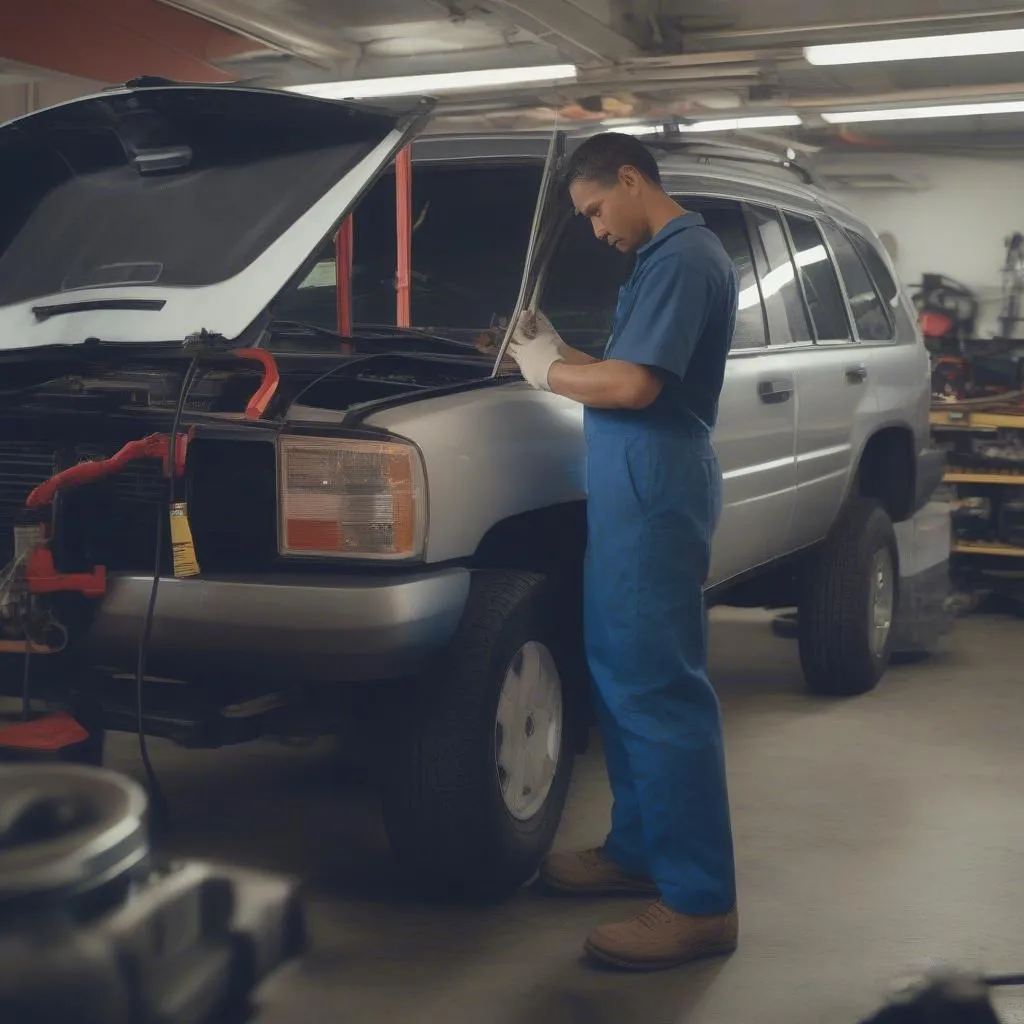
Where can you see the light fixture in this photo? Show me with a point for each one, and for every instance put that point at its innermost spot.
(732, 124)
(634, 128)
(962, 44)
(915, 113)
(427, 85)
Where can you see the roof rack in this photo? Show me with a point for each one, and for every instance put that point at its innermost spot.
(671, 141)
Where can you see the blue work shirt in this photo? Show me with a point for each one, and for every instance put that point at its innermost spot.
(676, 315)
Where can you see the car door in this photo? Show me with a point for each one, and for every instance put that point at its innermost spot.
(832, 381)
(756, 425)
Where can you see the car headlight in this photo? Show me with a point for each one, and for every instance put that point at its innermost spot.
(351, 498)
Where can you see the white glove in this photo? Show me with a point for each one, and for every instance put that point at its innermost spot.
(535, 346)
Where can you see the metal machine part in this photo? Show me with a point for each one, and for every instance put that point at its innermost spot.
(94, 929)
(946, 997)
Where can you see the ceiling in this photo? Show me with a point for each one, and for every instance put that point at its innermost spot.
(649, 59)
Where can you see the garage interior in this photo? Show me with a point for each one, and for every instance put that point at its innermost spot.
(876, 836)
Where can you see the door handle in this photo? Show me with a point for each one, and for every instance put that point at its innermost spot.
(775, 389)
(856, 374)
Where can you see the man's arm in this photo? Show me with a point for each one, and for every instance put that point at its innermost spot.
(605, 384)
(575, 357)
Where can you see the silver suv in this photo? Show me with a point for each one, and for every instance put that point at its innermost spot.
(390, 529)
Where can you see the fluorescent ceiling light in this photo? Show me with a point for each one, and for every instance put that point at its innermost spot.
(731, 124)
(964, 44)
(914, 113)
(634, 129)
(427, 85)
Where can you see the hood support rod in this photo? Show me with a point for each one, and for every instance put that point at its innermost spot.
(531, 283)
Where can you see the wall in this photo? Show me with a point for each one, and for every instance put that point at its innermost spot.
(953, 219)
(22, 98)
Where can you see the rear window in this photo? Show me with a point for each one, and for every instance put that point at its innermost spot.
(76, 213)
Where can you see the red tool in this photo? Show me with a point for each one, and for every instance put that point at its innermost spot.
(156, 446)
(42, 576)
(271, 379)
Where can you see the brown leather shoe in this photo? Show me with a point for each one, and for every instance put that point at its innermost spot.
(591, 873)
(660, 937)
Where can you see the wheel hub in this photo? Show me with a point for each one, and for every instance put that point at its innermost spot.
(528, 730)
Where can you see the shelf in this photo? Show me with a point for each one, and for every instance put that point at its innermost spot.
(979, 547)
(966, 419)
(966, 477)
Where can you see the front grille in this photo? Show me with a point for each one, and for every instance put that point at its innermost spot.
(114, 521)
(110, 523)
(230, 488)
(24, 465)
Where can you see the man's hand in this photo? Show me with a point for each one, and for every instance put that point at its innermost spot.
(536, 346)
(535, 359)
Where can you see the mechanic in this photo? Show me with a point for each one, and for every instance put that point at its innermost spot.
(654, 500)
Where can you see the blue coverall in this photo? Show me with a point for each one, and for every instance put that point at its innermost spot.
(654, 499)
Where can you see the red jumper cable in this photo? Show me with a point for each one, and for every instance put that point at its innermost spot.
(41, 574)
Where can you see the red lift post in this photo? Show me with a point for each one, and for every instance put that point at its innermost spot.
(403, 218)
(343, 252)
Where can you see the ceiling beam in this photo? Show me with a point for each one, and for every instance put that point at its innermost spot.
(848, 31)
(267, 30)
(579, 35)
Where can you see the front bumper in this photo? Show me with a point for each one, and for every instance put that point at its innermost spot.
(292, 628)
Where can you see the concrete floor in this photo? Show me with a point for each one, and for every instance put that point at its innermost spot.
(873, 836)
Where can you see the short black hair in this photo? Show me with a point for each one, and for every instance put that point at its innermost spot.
(601, 157)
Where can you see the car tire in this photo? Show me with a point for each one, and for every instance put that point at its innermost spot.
(464, 817)
(849, 604)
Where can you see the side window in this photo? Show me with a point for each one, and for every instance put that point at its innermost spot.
(870, 316)
(878, 270)
(725, 219)
(818, 276)
(582, 287)
(787, 319)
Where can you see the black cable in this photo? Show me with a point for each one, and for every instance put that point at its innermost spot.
(158, 800)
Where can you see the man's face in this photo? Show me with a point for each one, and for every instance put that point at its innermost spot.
(615, 211)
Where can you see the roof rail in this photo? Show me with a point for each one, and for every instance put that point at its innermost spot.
(671, 142)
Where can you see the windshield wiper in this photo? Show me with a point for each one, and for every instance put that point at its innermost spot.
(367, 332)
(391, 331)
(92, 305)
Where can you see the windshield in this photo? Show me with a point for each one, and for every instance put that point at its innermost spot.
(471, 228)
(173, 188)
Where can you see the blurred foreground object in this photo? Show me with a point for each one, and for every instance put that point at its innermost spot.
(94, 930)
(947, 997)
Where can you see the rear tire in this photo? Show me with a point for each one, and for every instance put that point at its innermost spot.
(475, 791)
(849, 604)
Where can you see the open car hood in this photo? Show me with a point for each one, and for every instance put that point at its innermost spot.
(151, 214)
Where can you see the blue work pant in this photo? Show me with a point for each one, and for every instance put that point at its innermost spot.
(654, 502)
